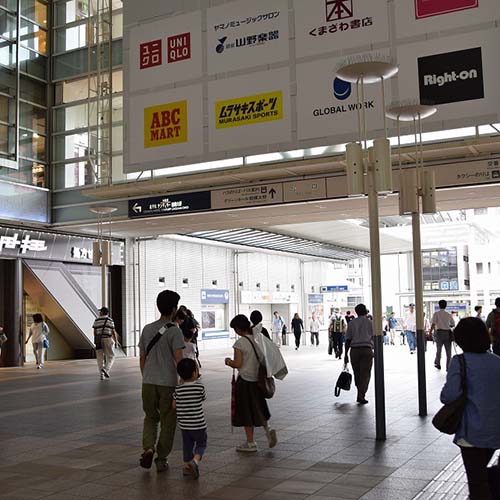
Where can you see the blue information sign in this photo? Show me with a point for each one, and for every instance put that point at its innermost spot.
(315, 298)
(334, 288)
(210, 296)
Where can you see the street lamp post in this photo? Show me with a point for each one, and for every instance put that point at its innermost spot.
(102, 248)
(413, 185)
(375, 166)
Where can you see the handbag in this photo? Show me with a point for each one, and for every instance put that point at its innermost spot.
(46, 343)
(449, 417)
(265, 384)
(344, 381)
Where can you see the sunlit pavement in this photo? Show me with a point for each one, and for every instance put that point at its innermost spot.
(66, 435)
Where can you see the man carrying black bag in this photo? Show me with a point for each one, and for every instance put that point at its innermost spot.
(359, 339)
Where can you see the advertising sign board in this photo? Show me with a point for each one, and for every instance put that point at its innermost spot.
(323, 26)
(246, 34)
(165, 51)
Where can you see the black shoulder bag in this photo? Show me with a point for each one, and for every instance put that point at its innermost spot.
(157, 337)
(449, 417)
(265, 384)
(98, 336)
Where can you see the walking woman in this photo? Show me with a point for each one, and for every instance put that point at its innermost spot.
(38, 334)
(479, 433)
(297, 328)
(251, 407)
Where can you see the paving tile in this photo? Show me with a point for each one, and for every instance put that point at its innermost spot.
(342, 491)
(299, 487)
(230, 493)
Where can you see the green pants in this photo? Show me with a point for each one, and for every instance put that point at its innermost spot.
(157, 406)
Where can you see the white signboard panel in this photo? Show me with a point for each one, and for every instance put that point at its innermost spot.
(165, 51)
(304, 190)
(415, 17)
(460, 77)
(327, 106)
(165, 125)
(247, 196)
(249, 110)
(331, 25)
(247, 34)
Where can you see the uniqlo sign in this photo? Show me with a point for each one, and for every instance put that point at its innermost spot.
(179, 47)
(429, 8)
(150, 54)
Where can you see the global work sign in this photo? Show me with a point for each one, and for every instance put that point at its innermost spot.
(165, 124)
(327, 105)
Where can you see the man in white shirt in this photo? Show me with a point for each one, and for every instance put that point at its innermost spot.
(278, 323)
(314, 329)
(410, 325)
(442, 324)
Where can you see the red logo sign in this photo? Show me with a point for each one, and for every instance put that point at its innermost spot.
(150, 54)
(179, 47)
(429, 8)
(338, 9)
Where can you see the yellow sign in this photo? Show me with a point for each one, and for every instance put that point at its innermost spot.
(258, 108)
(165, 124)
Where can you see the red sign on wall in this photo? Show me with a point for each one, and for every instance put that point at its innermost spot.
(179, 47)
(150, 54)
(429, 8)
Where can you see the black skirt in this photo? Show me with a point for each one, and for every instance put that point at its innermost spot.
(251, 407)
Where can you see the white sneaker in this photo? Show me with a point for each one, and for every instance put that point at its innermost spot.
(272, 438)
(247, 447)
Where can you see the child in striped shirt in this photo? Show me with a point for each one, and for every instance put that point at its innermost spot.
(188, 403)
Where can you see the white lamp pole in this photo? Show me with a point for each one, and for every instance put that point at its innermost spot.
(103, 248)
(414, 185)
(376, 165)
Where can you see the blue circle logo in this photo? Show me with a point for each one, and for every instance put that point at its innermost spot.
(341, 90)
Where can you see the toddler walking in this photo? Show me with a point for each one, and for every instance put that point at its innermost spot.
(188, 403)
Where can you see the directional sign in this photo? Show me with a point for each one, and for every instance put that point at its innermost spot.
(175, 204)
(248, 196)
(334, 288)
(305, 190)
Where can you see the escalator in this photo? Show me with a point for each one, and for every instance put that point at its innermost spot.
(63, 301)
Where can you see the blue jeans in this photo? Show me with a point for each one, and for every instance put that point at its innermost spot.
(194, 443)
(412, 340)
(386, 339)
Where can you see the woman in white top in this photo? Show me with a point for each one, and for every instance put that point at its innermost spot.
(251, 408)
(38, 334)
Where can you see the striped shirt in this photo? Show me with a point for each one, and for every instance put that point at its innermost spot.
(189, 399)
(103, 326)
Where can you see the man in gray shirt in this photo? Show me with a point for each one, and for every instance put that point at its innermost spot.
(359, 339)
(442, 324)
(161, 348)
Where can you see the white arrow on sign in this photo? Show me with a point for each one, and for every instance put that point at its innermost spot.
(137, 208)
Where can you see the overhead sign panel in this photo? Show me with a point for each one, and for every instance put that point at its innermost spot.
(248, 196)
(460, 78)
(324, 26)
(175, 204)
(212, 296)
(249, 110)
(328, 106)
(334, 288)
(165, 51)
(166, 125)
(247, 34)
(415, 17)
(304, 190)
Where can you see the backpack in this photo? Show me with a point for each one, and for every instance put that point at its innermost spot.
(337, 324)
(344, 381)
(495, 331)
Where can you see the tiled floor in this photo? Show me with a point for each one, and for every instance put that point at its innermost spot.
(65, 435)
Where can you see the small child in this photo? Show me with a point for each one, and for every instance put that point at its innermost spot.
(188, 403)
(189, 350)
